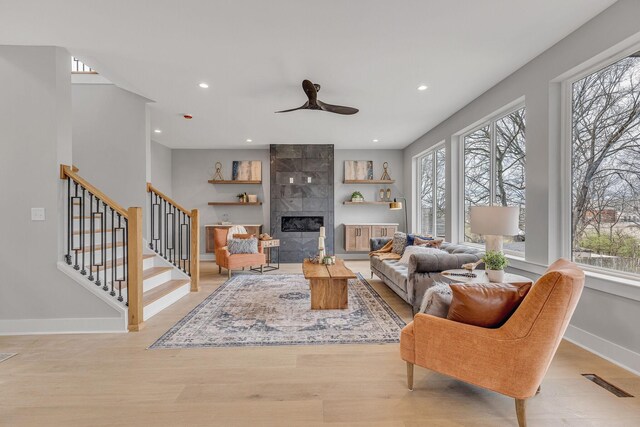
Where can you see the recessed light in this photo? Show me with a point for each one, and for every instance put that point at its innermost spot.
(422, 87)
(203, 85)
(249, 140)
(375, 140)
(157, 131)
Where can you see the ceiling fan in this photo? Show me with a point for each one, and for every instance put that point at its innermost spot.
(312, 89)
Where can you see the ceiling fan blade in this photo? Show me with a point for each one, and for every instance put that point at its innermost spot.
(304, 107)
(311, 91)
(338, 109)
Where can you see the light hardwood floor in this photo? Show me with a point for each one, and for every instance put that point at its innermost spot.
(113, 380)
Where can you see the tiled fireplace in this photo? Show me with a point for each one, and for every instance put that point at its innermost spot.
(301, 199)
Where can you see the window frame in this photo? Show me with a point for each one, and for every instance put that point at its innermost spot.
(418, 186)
(566, 157)
(491, 121)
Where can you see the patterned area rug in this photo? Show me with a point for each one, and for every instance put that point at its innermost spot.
(268, 310)
(6, 356)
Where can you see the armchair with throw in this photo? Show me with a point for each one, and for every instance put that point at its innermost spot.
(512, 359)
(225, 259)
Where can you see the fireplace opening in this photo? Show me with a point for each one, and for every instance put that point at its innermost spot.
(301, 223)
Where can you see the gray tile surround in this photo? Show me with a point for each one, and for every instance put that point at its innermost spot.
(302, 198)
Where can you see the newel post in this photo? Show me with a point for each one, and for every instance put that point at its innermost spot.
(194, 268)
(134, 261)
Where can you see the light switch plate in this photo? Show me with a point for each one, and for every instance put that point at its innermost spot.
(37, 214)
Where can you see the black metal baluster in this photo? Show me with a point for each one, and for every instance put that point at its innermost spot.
(180, 215)
(123, 277)
(77, 247)
(82, 240)
(113, 253)
(151, 211)
(166, 228)
(105, 286)
(189, 246)
(67, 258)
(92, 231)
(125, 237)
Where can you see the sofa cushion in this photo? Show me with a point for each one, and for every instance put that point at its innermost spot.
(410, 250)
(436, 300)
(411, 238)
(486, 305)
(393, 271)
(429, 243)
(399, 243)
(243, 246)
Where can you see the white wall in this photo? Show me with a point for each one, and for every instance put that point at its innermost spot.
(603, 311)
(192, 168)
(35, 137)
(161, 172)
(110, 141)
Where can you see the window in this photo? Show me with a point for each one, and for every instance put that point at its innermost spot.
(605, 168)
(494, 171)
(431, 192)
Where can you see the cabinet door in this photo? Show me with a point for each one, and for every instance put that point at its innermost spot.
(377, 231)
(350, 237)
(210, 248)
(390, 230)
(363, 238)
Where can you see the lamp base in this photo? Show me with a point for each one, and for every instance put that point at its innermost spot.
(493, 243)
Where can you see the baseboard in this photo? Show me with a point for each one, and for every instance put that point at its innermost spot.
(614, 353)
(62, 326)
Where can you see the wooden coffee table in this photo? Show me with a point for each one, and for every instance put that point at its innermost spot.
(328, 284)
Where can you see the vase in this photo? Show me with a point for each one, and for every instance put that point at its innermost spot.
(495, 276)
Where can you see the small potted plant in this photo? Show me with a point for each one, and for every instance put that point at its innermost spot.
(495, 263)
(357, 196)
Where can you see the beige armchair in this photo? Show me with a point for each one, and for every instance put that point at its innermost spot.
(512, 359)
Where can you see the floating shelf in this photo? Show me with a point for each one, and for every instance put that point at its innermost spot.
(348, 202)
(369, 181)
(235, 203)
(217, 181)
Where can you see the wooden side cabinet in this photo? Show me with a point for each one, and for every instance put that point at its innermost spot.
(255, 229)
(357, 236)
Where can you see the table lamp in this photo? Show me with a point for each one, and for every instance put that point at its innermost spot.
(494, 222)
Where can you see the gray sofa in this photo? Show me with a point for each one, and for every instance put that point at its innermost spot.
(410, 282)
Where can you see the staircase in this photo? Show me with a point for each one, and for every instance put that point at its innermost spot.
(105, 251)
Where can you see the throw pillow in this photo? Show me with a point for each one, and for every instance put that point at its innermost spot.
(410, 250)
(436, 300)
(430, 243)
(243, 246)
(399, 243)
(486, 305)
(412, 237)
(243, 236)
(235, 229)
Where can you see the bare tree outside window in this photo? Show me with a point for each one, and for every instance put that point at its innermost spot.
(605, 222)
(431, 187)
(494, 172)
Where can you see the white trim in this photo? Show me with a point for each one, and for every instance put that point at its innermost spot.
(416, 214)
(63, 326)
(608, 350)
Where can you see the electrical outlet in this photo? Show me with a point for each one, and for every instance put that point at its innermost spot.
(37, 214)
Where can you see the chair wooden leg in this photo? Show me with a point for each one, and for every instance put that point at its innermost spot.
(372, 274)
(261, 269)
(219, 270)
(521, 412)
(410, 376)
(538, 390)
(229, 273)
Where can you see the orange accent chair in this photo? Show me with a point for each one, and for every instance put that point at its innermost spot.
(512, 359)
(234, 261)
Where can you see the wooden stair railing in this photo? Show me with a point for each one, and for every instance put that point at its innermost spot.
(110, 229)
(175, 234)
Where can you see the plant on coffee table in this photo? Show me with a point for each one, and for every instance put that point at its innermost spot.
(494, 263)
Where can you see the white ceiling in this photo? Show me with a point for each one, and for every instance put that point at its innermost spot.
(369, 54)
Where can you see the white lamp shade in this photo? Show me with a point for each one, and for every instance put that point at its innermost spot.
(495, 220)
